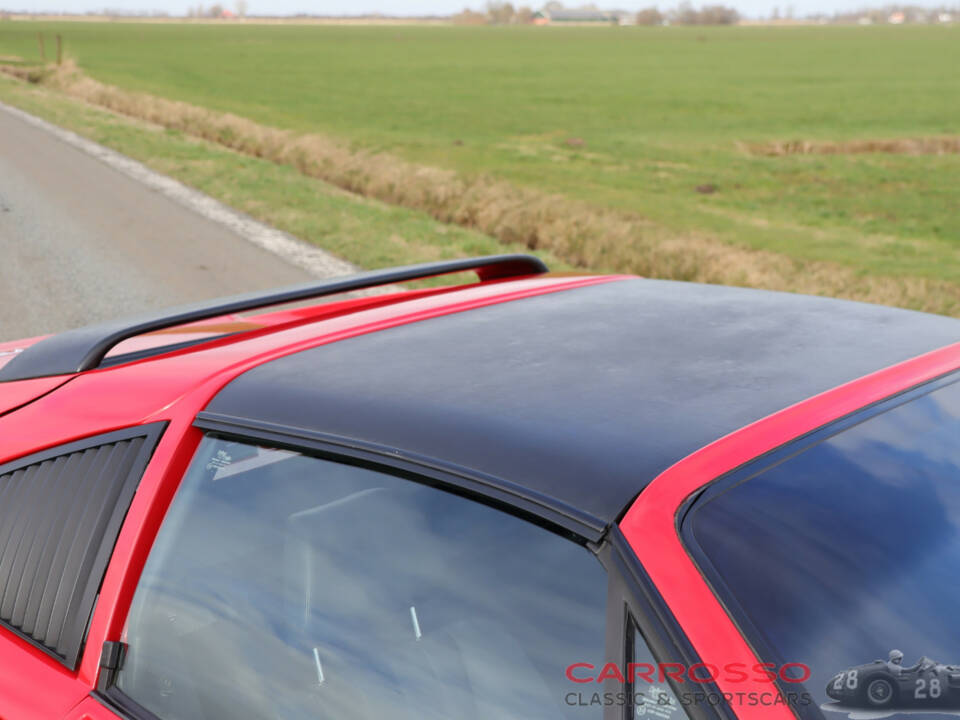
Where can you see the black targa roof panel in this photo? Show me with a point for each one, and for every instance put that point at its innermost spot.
(583, 395)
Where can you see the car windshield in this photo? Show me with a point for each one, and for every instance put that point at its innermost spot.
(848, 550)
(287, 586)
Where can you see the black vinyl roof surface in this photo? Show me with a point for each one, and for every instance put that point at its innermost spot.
(582, 395)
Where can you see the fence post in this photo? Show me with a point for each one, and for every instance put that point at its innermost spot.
(43, 52)
(59, 49)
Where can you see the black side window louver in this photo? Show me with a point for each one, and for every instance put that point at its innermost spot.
(60, 514)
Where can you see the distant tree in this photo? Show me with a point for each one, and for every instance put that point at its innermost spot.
(241, 8)
(553, 6)
(649, 16)
(469, 17)
(215, 11)
(500, 13)
(524, 16)
(775, 15)
(684, 14)
(718, 15)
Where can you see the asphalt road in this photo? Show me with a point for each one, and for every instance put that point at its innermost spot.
(82, 242)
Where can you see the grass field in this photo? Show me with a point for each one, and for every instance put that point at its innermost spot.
(629, 119)
(368, 233)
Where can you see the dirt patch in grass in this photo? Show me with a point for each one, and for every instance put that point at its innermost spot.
(580, 234)
(898, 146)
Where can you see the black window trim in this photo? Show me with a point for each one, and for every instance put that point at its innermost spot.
(631, 595)
(151, 435)
(687, 512)
(479, 486)
(634, 601)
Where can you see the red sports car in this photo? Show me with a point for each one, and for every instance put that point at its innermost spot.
(535, 496)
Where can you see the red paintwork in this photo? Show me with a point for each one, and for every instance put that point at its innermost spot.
(15, 394)
(650, 524)
(225, 324)
(90, 709)
(174, 388)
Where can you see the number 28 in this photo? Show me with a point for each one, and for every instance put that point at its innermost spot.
(921, 691)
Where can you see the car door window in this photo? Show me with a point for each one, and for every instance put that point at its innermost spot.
(286, 586)
(841, 561)
(652, 697)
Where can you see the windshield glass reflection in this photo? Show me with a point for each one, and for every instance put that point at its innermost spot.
(287, 586)
(851, 549)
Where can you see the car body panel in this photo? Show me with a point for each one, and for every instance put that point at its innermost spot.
(587, 395)
(176, 386)
(89, 708)
(271, 321)
(17, 394)
(139, 392)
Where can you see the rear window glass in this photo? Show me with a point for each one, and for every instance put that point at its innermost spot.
(849, 553)
(286, 586)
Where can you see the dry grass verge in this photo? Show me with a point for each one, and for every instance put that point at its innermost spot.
(582, 235)
(899, 146)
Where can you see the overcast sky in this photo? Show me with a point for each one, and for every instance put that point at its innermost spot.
(751, 8)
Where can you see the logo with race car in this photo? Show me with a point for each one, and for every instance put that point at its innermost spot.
(889, 685)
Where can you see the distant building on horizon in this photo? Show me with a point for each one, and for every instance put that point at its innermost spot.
(575, 17)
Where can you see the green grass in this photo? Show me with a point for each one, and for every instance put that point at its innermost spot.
(365, 232)
(659, 111)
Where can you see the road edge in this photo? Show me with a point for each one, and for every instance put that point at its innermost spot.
(315, 261)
